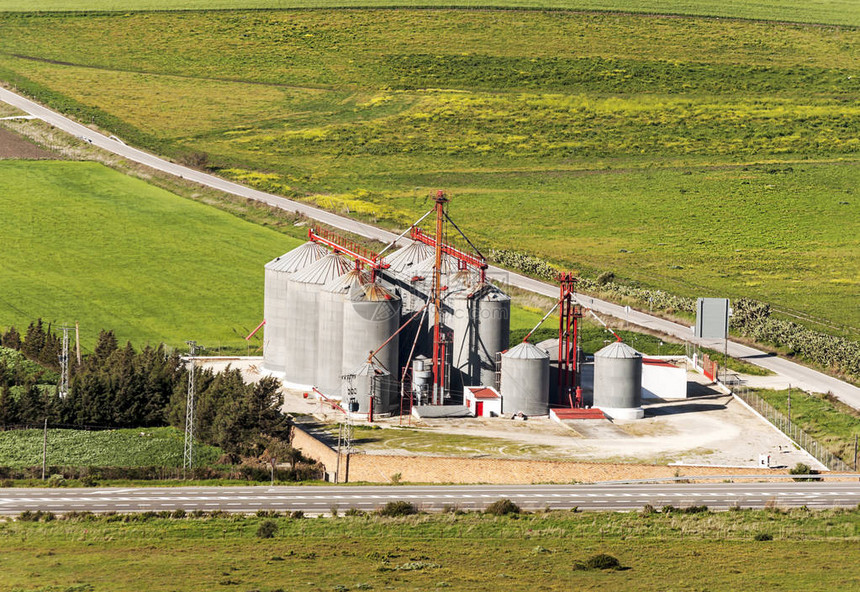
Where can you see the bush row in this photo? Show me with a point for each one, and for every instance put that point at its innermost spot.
(751, 318)
(244, 472)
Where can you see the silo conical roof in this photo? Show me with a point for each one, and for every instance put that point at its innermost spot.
(344, 284)
(618, 350)
(526, 350)
(323, 271)
(371, 369)
(407, 259)
(425, 268)
(298, 258)
(372, 292)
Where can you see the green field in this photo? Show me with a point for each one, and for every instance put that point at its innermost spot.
(674, 551)
(85, 243)
(145, 447)
(838, 12)
(719, 158)
(826, 419)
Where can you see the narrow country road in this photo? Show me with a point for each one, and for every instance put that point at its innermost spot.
(314, 500)
(797, 374)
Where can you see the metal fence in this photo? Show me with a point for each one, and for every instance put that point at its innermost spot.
(782, 423)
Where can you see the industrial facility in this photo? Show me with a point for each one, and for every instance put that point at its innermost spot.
(420, 329)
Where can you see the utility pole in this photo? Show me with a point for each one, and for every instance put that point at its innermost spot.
(78, 342)
(855, 452)
(188, 454)
(45, 449)
(789, 403)
(63, 391)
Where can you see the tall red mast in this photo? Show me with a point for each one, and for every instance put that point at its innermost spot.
(439, 352)
(568, 333)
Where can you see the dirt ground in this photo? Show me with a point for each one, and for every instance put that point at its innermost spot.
(14, 146)
(710, 428)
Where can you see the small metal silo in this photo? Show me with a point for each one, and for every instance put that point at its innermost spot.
(367, 380)
(277, 273)
(330, 322)
(371, 315)
(302, 325)
(525, 380)
(480, 321)
(422, 378)
(618, 381)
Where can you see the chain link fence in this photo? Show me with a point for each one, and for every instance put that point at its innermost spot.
(790, 429)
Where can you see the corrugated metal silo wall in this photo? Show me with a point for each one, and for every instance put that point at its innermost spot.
(481, 328)
(525, 385)
(302, 332)
(618, 382)
(330, 341)
(274, 340)
(366, 326)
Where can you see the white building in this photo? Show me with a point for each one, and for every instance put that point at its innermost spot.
(483, 401)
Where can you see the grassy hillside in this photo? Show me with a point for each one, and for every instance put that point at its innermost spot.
(83, 242)
(110, 448)
(838, 12)
(810, 550)
(718, 158)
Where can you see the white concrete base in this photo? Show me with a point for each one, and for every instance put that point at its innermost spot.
(632, 413)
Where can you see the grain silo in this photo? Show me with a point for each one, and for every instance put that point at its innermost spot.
(371, 315)
(618, 381)
(277, 273)
(301, 316)
(405, 277)
(480, 322)
(525, 380)
(329, 356)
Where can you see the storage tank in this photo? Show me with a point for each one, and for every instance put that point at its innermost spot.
(618, 381)
(550, 346)
(329, 357)
(422, 379)
(524, 383)
(370, 379)
(277, 272)
(371, 314)
(301, 324)
(480, 322)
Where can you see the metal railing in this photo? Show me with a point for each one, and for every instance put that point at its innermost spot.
(790, 429)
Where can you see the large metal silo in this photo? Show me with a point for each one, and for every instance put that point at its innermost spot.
(302, 325)
(618, 381)
(525, 380)
(371, 315)
(480, 322)
(330, 333)
(277, 273)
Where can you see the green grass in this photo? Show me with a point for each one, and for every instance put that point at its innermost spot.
(810, 550)
(721, 160)
(843, 12)
(85, 243)
(144, 447)
(826, 419)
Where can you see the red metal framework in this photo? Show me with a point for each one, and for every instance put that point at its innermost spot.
(568, 337)
(439, 341)
(339, 244)
(462, 257)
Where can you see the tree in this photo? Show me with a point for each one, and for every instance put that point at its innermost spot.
(11, 339)
(8, 408)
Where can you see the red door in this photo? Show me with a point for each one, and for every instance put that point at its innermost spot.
(479, 409)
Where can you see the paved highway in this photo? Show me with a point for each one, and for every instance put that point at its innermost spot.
(798, 375)
(320, 500)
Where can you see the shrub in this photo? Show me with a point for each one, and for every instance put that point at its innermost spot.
(763, 536)
(695, 509)
(802, 469)
(354, 512)
(502, 507)
(178, 513)
(599, 561)
(648, 510)
(297, 515)
(267, 529)
(398, 508)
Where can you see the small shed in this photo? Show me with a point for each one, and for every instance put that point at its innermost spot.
(663, 380)
(483, 401)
